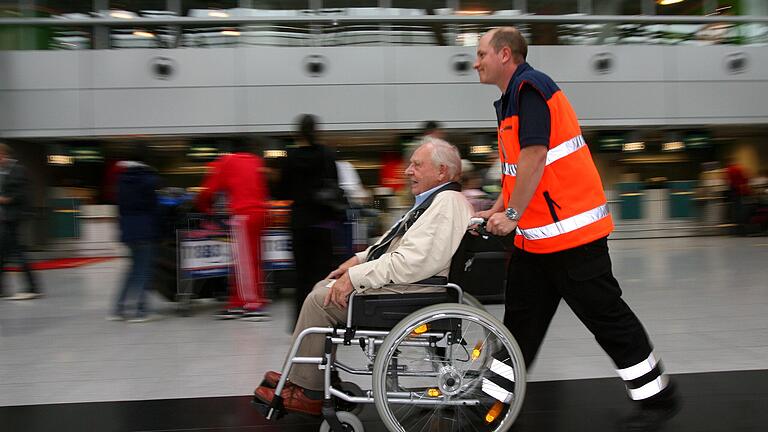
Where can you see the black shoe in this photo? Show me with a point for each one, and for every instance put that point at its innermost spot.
(228, 314)
(652, 415)
(255, 315)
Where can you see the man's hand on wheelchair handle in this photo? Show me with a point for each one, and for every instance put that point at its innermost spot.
(500, 225)
(339, 292)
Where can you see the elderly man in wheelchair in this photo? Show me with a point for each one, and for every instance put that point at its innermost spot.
(437, 359)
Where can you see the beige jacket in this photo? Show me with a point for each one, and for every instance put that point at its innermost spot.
(425, 250)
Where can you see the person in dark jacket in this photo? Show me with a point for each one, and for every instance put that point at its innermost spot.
(13, 206)
(308, 174)
(138, 208)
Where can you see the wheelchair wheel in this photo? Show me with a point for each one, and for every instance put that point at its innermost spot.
(350, 389)
(479, 384)
(349, 422)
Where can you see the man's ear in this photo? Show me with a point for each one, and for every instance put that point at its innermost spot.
(505, 54)
(443, 172)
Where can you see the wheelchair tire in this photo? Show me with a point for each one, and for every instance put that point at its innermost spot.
(349, 422)
(471, 401)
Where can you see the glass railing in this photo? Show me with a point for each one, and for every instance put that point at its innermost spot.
(363, 27)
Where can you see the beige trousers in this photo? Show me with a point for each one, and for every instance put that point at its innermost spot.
(314, 314)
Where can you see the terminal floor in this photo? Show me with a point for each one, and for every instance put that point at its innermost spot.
(716, 401)
(702, 300)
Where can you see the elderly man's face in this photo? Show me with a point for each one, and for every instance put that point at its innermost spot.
(422, 171)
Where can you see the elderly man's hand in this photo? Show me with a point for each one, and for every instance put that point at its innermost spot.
(500, 225)
(339, 292)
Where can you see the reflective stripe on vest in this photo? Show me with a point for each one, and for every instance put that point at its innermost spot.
(558, 152)
(566, 225)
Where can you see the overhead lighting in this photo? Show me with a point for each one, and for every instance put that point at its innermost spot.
(672, 146)
(668, 2)
(272, 154)
(634, 146)
(218, 14)
(121, 14)
(230, 33)
(480, 149)
(60, 160)
(473, 12)
(144, 34)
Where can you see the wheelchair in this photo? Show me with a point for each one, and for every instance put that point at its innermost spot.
(437, 361)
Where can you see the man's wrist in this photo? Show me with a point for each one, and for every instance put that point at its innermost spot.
(512, 214)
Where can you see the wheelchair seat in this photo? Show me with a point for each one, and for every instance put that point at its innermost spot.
(384, 311)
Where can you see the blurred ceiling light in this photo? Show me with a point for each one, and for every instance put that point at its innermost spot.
(121, 14)
(634, 146)
(480, 149)
(218, 14)
(672, 146)
(60, 160)
(145, 34)
(230, 33)
(668, 2)
(473, 12)
(271, 154)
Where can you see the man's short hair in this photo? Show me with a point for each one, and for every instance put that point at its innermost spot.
(445, 153)
(511, 38)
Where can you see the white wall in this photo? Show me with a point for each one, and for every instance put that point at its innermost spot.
(228, 90)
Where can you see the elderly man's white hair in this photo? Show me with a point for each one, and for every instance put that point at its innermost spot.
(445, 153)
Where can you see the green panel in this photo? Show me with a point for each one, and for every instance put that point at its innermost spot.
(631, 200)
(64, 218)
(681, 198)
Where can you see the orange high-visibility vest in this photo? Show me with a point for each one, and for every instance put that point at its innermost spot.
(569, 207)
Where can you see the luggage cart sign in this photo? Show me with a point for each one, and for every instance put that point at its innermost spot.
(204, 254)
(276, 249)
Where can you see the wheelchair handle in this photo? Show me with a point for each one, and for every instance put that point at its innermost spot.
(479, 224)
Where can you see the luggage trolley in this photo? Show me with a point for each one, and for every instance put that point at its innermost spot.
(203, 252)
(437, 361)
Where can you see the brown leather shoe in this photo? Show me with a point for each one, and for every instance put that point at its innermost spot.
(294, 399)
(270, 379)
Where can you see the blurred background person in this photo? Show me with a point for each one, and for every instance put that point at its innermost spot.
(738, 190)
(309, 178)
(13, 206)
(471, 183)
(240, 176)
(139, 228)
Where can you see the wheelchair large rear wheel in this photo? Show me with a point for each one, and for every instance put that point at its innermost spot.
(476, 384)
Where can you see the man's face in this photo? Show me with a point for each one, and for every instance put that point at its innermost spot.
(488, 63)
(422, 171)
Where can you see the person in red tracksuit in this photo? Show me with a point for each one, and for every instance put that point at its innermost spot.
(240, 176)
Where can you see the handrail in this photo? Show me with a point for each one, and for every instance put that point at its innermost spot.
(388, 19)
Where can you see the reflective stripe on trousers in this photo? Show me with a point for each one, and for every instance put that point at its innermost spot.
(566, 225)
(558, 152)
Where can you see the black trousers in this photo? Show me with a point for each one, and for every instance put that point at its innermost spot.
(582, 277)
(313, 256)
(11, 247)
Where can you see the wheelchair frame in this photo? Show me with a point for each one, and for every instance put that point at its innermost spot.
(369, 341)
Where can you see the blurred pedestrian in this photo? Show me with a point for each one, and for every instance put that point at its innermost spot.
(240, 176)
(13, 208)
(738, 190)
(309, 178)
(137, 205)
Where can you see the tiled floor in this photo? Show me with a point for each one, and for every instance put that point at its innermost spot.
(703, 300)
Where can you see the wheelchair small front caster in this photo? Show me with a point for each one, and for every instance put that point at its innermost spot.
(349, 422)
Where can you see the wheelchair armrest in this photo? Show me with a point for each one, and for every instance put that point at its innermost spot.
(434, 280)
